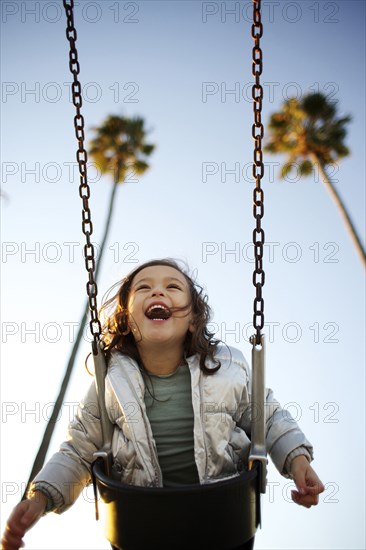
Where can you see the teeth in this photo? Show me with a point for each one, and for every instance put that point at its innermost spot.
(157, 306)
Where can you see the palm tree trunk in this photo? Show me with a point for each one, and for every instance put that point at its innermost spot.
(342, 210)
(43, 449)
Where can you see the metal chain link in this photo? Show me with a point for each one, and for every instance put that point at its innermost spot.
(258, 171)
(82, 157)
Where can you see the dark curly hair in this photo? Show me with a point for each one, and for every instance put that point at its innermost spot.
(115, 329)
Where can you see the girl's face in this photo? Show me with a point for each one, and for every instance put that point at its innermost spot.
(155, 292)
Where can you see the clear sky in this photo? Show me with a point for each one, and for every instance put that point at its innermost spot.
(186, 68)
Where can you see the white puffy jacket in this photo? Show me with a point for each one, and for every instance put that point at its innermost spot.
(221, 407)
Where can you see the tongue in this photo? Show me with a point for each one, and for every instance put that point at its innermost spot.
(158, 313)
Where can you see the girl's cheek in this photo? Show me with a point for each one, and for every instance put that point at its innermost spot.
(130, 304)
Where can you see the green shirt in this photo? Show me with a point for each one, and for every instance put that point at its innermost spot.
(170, 413)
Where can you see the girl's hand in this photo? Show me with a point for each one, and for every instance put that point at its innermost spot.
(23, 517)
(307, 482)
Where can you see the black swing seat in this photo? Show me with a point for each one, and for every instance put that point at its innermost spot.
(216, 516)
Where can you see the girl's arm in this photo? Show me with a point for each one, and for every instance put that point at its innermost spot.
(64, 476)
(289, 449)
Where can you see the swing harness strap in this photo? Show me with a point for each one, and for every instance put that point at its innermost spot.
(104, 454)
(258, 451)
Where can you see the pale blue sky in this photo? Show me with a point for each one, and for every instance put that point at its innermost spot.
(186, 68)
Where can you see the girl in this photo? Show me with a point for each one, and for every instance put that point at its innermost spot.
(162, 358)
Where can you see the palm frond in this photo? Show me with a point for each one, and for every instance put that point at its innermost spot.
(119, 145)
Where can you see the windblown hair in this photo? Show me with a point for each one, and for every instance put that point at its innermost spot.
(116, 334)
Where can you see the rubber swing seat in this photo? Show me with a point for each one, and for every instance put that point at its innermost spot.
(215, 516)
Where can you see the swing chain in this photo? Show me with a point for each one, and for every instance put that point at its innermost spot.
(258, 171)
(82, 157)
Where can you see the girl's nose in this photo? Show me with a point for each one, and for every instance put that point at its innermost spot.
(157, 291)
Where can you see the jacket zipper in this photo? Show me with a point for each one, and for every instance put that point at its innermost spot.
(203, 425)
(158, 474)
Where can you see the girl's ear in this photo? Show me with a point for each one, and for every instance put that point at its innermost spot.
(131, 326)
(126, 323)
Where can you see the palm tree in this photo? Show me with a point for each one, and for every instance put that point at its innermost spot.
(309, 132)
(118, 147)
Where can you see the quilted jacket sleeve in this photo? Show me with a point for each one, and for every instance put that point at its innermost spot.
(284, 438)
(68, 471)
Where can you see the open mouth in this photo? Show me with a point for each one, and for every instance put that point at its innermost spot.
(158, 312)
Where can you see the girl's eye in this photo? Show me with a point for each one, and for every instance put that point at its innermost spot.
(174, 286)
(142, 287)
